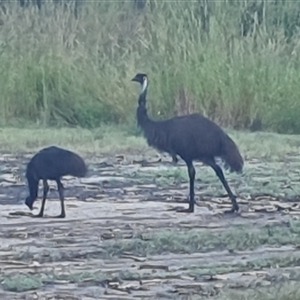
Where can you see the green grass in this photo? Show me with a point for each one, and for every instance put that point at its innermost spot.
(27, 282)
(105, 139)
(58, 70)
(112, 139)
(191, 241)
(235, 238)
(21, 283)
(286, 291)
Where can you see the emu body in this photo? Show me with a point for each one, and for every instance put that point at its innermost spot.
(194, 138)
(52, 163)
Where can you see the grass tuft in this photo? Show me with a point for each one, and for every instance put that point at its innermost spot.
(286, 291)
(59, 70)
(21, 283)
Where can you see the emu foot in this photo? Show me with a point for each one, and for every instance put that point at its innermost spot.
(232, 211)
(61, 216)
(185, 210)
(37, 216)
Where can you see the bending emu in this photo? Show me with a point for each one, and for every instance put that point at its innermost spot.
(192, 137)
(51, 164)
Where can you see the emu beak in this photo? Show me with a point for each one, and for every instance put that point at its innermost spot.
(30, 206)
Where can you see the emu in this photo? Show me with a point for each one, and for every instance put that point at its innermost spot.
(192, 137)
(52, 163)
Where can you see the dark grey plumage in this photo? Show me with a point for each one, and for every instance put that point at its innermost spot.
(192, 137)
(52, 163)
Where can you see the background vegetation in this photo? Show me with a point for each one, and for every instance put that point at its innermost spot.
(235, 61)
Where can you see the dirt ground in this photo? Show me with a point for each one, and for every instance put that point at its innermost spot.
(123, 200)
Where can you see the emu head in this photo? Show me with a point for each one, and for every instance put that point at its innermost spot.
(29, 202)
(142, 79)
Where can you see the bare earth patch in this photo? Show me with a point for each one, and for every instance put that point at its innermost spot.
(122, 238)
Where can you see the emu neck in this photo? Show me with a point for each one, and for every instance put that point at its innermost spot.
(33, 187)
(142, 117)
(153, 131)
(141, 112)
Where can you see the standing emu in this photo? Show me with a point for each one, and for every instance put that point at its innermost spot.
(192, 137)
(52, 163)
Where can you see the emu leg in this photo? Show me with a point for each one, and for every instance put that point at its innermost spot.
(221, 176)
(192, 173)
(45, 193)
(60, 188)
(174, 159)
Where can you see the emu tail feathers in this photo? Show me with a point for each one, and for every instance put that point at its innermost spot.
(231, 156)
(79, 167)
